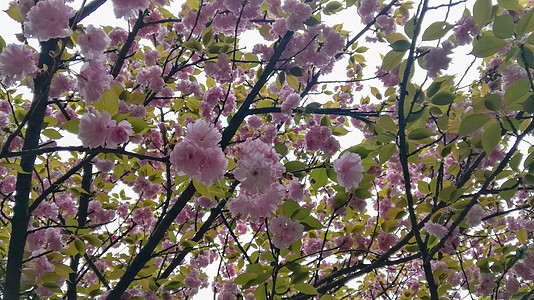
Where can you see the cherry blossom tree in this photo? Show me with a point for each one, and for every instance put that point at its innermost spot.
(143, 157)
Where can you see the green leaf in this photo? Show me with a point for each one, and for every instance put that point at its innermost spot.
(503, 27)
(436, 31)
(244, 278)
(51, 133)
(522, 236)
(472, 122)
(14, 12)
(62, 270)
(391, 60)
(443, 97)
(296, 71)
(362, 149)
(305, 288)
(193, 45)
(295, 165)
(487, 46)
(482, 12)
(400, 46)
(80, 246)
(332, 7)
(528, 104)
(517, 91)
(207, 36)
(509, 4)
(419, 134)
(311, 223)
(139, 125)
(491, 137)
(350, 2)
(193, 4)
(525, 58)
(386, 152)
(92, 240)
(409, 28)
(525, 23)
(110, 100)
(2, 44)
(320, 177)
(289, 207)
(14, 167)
(493, 102)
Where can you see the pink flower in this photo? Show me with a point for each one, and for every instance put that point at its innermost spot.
(119, 134)
(299, 12)
(94, 127)
(259, 166)
(349, 170)
(93, 42)
(437, 230)
(475, 215)
(203, 134)
(285, 231)
(94, 80)
(367, 8)
(61, 84)
(465, 29)
(199, 154)
(436, 59)
(290, 102)
(129, 8)
(17, 62)
(49, 19)
(205, 202)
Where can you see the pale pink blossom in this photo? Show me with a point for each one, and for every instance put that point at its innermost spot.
(94, 80)
(199, 155)
(299, 12)
(437, 59)
(465, 28)
(349, 170)
(259, 166)
(93, 42)
(48, 19)
(120, 133)
(290, 102)
(475, 215)
(94, 127)
(367, 9)
(129, 8)
(285, 231)
(205, 202)
(61, 84)
(437, 230)
(17, 62)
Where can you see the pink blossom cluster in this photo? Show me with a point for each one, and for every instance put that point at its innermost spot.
(367, 9)
(93, 42)
(220, 70)
(475, 215)
(48, 19)
(437, 230)
(94, 80)
(99, 130)
(285, 231)
(320, 138)
(17, 62)
(349, 170)
(465, 29)
(129, 8)
(298, 13)
(199, 155)
(259, 205)
(437, 59)
(259, 166)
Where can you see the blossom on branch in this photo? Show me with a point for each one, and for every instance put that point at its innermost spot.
(48, 19)
(349, 170)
